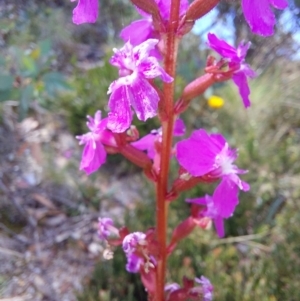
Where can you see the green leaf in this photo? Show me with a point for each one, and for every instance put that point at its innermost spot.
(26, 97)
(6, 82)
(29, 66)
(54, 82)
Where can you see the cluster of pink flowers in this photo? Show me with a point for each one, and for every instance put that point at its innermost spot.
(202, 157)
(258, 14)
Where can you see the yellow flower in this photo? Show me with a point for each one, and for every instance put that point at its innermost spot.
(215, 102)
(35, 54)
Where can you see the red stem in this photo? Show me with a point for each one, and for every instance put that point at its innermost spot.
(167, 133)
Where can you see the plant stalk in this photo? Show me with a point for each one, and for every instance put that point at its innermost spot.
(171, 42)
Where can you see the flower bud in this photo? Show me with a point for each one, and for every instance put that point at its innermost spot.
(149, 6)
(198, 86)
(196, 10)
(199, 8)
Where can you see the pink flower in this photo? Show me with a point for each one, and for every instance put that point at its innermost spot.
(132, 240)
(106, 228)
(94, 154)
(214, 207)
(210, 155)
(236, 58)
(189, 291)
(86, 11)
(206, 287)
(136, 66)
(259, 14)
(152, 142)
(139, 31)
(147, 143)
(172, 287)
(203, 154)
(131, 243)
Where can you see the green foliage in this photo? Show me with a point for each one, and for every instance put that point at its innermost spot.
(28, 76)
(91, 87)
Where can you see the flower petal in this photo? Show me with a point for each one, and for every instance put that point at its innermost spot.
(226, 197)
(219, 224)
(137, 32)
(133, 263)
(93, 156)
(179, 127)
(86, 11)
(259, 16)
(240, 79)
(150, 68)
(279, 4)
(146, 143)
(142, 51)
(221, 47)
(241, 184)
(144, 99)
(197, 154)
(243, 49)
(248, 71)
(120, 117)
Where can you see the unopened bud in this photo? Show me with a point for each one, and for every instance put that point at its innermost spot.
(148, 6)
(199, 8)
(196, 10)
(192, 90)
(198, 86)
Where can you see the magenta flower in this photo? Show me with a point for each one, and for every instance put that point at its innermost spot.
(152, 142)
(86, 11)
(106, 228)
(206, 287)
(94, 154)
(259, 14)
(147, 143)
(131, 243)
(134, 263)
(218, 207)
(236, 58)
(204, 154)
(172, 287)
(136, 66)
(202, 291)
(141, 30)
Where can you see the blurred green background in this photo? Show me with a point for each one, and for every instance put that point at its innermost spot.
(51, 70)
